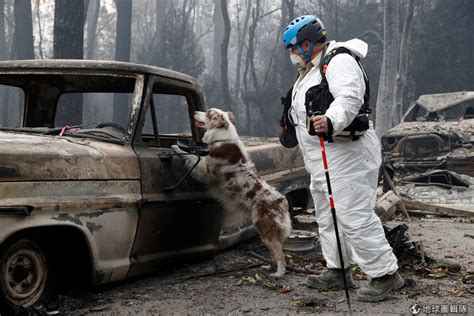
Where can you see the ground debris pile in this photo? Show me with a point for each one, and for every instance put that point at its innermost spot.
(411, 256)
(406, 250)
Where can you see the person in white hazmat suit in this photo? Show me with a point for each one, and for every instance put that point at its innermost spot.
(353, 162)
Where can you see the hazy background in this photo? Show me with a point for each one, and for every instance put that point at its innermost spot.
(235, 49)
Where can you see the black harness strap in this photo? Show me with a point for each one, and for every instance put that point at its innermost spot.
(319, 97)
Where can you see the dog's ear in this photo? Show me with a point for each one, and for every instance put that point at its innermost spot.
(218, 121)
(221, 121)
(231, 117)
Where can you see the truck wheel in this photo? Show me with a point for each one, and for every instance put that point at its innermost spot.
(26, 276)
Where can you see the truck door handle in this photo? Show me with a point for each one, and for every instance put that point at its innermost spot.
(165, 156)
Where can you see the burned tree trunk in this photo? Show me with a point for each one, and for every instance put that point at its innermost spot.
(286, 72)
(470, 45)
(3, 42)
(242, 34)
(92, 18)
(386, 99)
(224, 61)
(403, 62)
(40, 30)
(69, 43)
(23, 30)
(218, 37)
(122, 53)
(161, 10)
(252, 48)
(69, 29)
(124, 30)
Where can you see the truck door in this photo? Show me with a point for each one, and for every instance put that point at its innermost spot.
(173, 224)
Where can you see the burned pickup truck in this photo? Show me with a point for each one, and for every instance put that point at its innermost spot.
(90, 188)
(435, 133)
(430, 154)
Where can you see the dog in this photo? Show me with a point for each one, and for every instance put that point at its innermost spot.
(233, 180)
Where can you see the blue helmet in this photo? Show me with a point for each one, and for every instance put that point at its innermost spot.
(305, 27)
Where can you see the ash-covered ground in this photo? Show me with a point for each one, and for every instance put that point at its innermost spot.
(234, 282)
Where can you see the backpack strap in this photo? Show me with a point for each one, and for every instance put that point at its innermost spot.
(365, 108)
(340, 50)
(343, 50)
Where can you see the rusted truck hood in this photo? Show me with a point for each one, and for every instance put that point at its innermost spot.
(270, 157)
(31, 157)
(463, 128)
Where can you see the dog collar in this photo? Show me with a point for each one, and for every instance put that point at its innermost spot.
(219, 141)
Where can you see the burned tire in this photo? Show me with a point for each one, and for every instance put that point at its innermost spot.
(27, 278)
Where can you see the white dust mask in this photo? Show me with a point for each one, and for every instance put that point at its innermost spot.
(296, 59)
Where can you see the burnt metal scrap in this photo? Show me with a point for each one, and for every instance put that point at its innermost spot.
(429, 156)
(436, 132)
(410, 253)
(443, 178)
(450, 192)
(406, 250)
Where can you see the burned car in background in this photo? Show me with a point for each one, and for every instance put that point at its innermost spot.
(430, 154)
(89, 182)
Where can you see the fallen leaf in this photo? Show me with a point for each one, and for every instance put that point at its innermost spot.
(258, 277)
(457, 293)
(240, 282)
(271, 285)
(357, 274)
(441, 269)
(298, 303)
(285, 289)
(468, 279)
(422, 270)
(249, 279)
(439, 273)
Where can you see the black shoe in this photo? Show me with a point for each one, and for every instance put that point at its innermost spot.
(332, 278)
(379, 288)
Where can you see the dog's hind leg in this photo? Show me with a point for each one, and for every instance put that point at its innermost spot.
(276, 251)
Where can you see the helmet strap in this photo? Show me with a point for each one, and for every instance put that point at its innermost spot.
(307, 55)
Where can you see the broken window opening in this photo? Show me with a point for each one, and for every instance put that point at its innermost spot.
(12, 102)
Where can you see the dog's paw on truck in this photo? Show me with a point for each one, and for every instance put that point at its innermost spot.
(88, 178)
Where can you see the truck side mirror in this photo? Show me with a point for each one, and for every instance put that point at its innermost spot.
(192, 147)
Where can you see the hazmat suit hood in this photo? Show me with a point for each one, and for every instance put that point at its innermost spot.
(357, 46)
